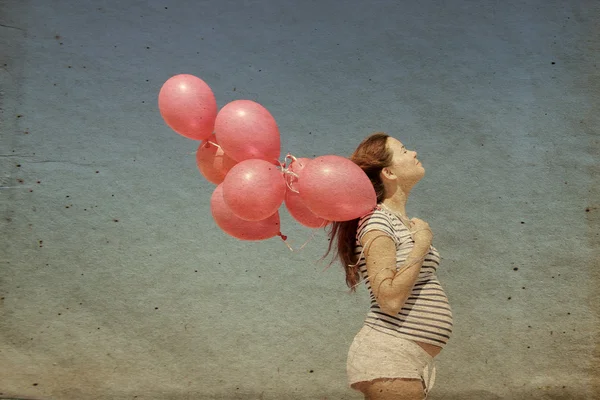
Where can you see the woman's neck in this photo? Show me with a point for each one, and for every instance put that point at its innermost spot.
(397, 203)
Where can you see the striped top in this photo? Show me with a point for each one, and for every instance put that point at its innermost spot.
(426, 316)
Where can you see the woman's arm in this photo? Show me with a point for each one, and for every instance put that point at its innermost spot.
(391, 288)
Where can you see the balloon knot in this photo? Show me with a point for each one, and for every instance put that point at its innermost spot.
(288, 175)
(209, 143)
(283, 237)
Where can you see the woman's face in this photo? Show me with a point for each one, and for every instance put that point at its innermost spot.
(405, 167)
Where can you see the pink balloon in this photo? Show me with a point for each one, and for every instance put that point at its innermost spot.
(336, 189)
(212, 162)
(188, 106)
(237, 227)
(254, 189)
(294, 203)
(247, 130)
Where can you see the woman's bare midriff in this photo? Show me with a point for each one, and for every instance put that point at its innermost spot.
(431, 349)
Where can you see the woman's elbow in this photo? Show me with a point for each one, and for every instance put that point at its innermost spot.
(391, 307)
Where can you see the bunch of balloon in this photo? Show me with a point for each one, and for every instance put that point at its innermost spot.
(240, 152)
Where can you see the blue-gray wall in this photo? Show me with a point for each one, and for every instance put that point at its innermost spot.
(115, 282)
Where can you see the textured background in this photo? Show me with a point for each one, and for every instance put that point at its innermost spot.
(115, 282)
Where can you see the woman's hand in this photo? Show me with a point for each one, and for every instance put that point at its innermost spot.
(421, 232)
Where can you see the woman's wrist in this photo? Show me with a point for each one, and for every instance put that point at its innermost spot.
(421, 248)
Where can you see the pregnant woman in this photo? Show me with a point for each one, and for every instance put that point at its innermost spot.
(410, 319)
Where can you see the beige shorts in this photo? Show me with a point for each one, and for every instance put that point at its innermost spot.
(375, 354)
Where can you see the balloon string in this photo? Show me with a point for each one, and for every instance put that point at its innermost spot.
(305, 243)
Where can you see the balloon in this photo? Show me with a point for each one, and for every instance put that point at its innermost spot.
(212, 162)
(336, 189)
(237, 227)
(254, 189)
(188, 106)
(246, 130)
(294, 203)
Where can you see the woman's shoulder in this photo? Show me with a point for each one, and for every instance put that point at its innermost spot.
(376, 215)
(377, 219)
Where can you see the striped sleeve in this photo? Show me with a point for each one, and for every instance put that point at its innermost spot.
(375, 221)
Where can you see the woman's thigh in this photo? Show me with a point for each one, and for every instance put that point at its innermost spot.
(393, 389)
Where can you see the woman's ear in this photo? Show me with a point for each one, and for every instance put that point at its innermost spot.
(385, 173)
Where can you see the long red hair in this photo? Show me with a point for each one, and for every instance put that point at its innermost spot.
(371, 155)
